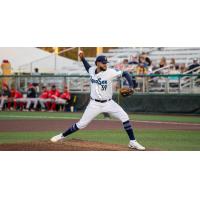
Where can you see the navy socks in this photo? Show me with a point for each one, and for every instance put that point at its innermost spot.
(127, 127)
(71, 130)
(129, 130)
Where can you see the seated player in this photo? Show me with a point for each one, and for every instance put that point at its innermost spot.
(64, 98)
(53, 95)
(18, 99)
(31, 98)
(44, 99)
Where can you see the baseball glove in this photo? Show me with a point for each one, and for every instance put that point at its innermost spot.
(125, 92)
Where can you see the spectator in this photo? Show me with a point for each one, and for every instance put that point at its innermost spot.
(53, 95)
(194, 65)
(126, 66)
(149, 65)
(5, 95)
(122, 66)
(31, 98)
(44, 99)
(142, 66)
(142, 59)
(125, 62)
(172, 62)
(182, 68)
(163, 64)
(173, 70)
(134, 60)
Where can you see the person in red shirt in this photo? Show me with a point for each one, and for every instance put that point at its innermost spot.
(11, 99)
(64, 98)
(17, 99)
(44, 99)
(53, 95)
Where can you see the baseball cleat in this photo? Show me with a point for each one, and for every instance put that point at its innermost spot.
(133, 144)
(57, 138)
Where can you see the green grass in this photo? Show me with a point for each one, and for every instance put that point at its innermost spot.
(137, 117)
(153, 139)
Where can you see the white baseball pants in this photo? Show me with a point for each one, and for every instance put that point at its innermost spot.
(95, 108)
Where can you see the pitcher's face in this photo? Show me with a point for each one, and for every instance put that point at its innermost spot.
(102, 66)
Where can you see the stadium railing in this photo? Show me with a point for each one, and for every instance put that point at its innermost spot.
(153, 83)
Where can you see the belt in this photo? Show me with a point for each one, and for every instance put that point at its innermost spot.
(100, 101)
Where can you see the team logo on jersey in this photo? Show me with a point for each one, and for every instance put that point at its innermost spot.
(103, 83)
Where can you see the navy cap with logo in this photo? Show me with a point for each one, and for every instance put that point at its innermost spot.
(102, 59)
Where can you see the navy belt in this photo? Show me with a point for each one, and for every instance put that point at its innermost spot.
(100, 101)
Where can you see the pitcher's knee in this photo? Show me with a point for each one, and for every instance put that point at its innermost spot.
(81, 125)
(124, 118)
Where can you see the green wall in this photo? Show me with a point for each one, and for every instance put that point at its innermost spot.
(152, 103)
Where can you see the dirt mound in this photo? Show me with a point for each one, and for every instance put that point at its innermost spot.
(69, 145)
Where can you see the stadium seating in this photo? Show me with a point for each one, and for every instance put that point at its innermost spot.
(181, 54)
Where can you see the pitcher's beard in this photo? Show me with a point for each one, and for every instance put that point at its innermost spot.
(103, 69)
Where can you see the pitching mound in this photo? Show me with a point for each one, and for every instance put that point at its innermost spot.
(69, 145)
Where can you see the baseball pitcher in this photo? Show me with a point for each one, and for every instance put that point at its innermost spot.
(101, 99)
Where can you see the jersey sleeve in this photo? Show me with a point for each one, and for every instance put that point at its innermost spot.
(91, 70)
(114, 73)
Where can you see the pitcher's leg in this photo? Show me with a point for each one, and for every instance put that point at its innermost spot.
(90, 113)
(117, 111)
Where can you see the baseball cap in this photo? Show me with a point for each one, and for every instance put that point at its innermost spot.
(102, 59)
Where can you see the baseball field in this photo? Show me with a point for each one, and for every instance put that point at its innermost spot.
(31, 131)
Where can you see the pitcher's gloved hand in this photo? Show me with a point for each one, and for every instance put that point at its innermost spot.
(126, 91)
